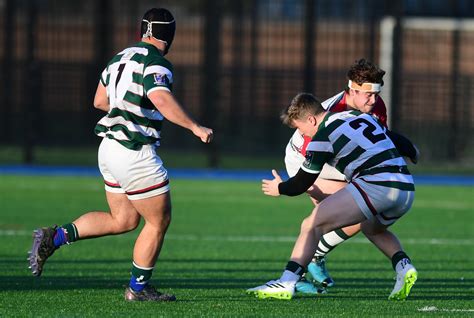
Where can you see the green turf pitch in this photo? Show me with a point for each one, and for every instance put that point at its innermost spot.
(226, 237)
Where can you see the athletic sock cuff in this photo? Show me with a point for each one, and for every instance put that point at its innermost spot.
(142, 273)
(294, 267)
(71, 231)
(397, 257)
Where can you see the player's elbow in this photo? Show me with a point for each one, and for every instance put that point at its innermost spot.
(101, 100)
(101, 106)
(97, 104)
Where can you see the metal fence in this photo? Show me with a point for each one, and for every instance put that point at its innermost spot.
(237, 64)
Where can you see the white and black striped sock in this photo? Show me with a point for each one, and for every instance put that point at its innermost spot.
(329, 241)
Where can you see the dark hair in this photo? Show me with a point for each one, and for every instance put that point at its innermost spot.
(363, 71)
(301, 105)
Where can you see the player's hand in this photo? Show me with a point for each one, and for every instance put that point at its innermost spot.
(270, 187)
(204, 133)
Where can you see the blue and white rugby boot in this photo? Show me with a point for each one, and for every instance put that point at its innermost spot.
(306, 287)
(317, 270)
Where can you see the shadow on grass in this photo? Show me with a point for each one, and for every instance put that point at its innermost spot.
(188, 274)
(373, 290)
(224, 281)
(434, 285)
(338, 263)
(71, 282)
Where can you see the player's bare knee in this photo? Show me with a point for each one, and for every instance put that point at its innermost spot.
(166, 218)
(126, 222)
(131, 223)
(160, 224)
(325, 225)
(370, 228)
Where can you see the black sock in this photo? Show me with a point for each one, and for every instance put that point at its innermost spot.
(294, 267)
(397, 257)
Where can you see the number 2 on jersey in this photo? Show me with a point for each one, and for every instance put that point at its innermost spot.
(368, 131)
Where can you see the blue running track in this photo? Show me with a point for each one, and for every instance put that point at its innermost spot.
(215, 174)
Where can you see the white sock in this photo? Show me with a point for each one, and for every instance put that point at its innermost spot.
(401, 265)
(289, 277)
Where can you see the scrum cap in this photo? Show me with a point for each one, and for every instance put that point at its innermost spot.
(159, 24)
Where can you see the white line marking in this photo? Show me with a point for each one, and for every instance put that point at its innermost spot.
(448, 205)
(273, 239)
(57, 186)
(15, 233)
(433, 308)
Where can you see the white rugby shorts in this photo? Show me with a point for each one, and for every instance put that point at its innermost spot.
(139, 174)
(385, 203)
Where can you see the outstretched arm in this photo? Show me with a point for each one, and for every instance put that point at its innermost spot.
(292, 187)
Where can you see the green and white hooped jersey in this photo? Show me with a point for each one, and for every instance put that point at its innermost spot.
(129, 77)
(357, 146)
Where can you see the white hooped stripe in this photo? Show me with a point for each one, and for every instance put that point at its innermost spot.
(135, 49)
(322, 146)
(158, 69)
(142, 112)
(322, 247)
(309, 170)
(162, 88)
(332, 238)
(119, 120)
(141, 267)
(76, 234)
(330, 102)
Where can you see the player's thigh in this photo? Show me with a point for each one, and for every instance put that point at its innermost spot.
(336, 211)
(155, 209)
(121, 208)
(373, 226)
(322, 188)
